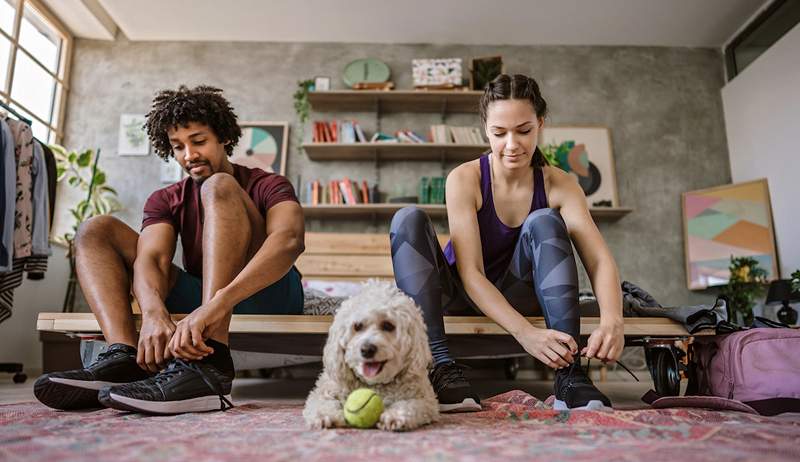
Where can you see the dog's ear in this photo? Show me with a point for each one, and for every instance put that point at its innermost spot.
(335, 345)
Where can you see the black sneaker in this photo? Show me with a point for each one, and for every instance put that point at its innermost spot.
(575, 390)
(183, 386)
(452, 389)
(77, 389)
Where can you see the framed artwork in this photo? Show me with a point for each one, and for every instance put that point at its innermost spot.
(731, 220)
(322, 83)
(436, 72)
(132, 139)
(263, 145)
(584, 152)
(484, 70)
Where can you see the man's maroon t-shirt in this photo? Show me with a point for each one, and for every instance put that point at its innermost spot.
(179, 204)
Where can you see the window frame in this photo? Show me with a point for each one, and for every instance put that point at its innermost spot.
(731, 67)
(64, 64)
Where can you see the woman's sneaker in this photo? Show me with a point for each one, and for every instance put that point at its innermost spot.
(77, 389)
(574, 390)
(183, 386)
(452, 389)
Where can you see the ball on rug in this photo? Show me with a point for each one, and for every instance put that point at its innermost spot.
(363, 408)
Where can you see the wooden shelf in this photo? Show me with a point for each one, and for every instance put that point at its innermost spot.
(394, 151)
(438, 101)
(433, 210)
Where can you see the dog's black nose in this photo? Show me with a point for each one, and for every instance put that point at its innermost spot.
(368, 350)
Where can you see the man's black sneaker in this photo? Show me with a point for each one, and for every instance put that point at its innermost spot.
(452, 389)
(183, 386)
(77, 389)
(575, 390)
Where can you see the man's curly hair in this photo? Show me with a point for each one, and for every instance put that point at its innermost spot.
(202, 104)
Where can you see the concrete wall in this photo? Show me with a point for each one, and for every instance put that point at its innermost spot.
(761, 120)
(662, 105)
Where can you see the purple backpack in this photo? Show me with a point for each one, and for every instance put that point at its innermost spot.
(755, 370)
(750, 365)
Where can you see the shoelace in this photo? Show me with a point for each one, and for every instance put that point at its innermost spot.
(589, 360)
(178, 366)
(447, 374)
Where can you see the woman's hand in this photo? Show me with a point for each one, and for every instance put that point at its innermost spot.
(606, 342)
(552, 347)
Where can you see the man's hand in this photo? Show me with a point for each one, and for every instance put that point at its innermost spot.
(606, 342)
(188, 341)
(154, 336)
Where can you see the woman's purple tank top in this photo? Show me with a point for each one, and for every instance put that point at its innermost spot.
(498, 240)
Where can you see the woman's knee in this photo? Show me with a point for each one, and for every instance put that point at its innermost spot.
(545, 223)
(410, 220)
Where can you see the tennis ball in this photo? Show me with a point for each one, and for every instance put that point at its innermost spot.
(363, 408)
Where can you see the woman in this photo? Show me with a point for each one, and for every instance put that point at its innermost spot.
(513, 220)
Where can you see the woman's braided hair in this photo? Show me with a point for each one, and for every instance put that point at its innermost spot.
(177, 108)
(516, 86)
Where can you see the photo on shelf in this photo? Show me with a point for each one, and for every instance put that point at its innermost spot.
(263, 145)
(723, 222)
(584, 152)
(322, 83)
(132, 139)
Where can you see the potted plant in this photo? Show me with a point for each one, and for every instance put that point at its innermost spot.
(796, 280)
(80, 171)
(746, 283)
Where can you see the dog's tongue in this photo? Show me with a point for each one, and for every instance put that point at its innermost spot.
(371, 369)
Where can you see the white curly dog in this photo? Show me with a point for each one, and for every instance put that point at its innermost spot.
(377, 340)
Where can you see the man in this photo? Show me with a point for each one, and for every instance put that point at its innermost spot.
(241, 230)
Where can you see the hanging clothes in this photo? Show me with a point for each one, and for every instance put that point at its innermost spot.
(36, 264)
(50, 162)
(8, 194)
(29, 243)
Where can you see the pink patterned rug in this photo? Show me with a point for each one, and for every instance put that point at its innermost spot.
(513, 426)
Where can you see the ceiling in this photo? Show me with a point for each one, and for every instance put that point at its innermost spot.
(690, 23)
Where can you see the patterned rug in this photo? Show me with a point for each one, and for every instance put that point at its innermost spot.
(513, 426)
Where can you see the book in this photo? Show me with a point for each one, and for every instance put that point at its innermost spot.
(359, 133)
(364, 192)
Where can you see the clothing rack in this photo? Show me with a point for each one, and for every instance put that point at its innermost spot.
(16, 114)
(15, 368)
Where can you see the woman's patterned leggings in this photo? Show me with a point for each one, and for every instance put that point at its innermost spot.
(542, 273)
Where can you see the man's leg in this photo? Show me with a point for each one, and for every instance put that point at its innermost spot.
(105, 249)
(233, 231)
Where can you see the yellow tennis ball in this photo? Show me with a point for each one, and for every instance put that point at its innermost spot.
(363, 408)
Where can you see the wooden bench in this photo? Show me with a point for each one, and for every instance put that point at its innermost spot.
(357, 257)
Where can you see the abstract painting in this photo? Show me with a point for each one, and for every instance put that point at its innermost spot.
(732, 220)
(584, 152)
(263, 145)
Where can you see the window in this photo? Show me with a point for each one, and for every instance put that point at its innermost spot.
(767, 28)
(34, 51)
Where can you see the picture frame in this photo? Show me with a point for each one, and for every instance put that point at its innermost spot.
(322, 83)
(733, 220)
(587, 154)
(263, 145)
(439, 72)
(483, 70)
(132, 139)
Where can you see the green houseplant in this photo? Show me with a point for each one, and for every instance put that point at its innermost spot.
(302, 107)
(796, 280)
(746, 283)
(80, 171)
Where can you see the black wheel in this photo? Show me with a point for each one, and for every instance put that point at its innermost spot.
(666, 376)
(511, 368)
(20, 378)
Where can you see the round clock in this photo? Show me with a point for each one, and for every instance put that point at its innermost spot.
(369, 70)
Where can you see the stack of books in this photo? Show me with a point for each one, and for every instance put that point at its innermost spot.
(345, 131)
(447, 134)
(340, 192)
(431, 190)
